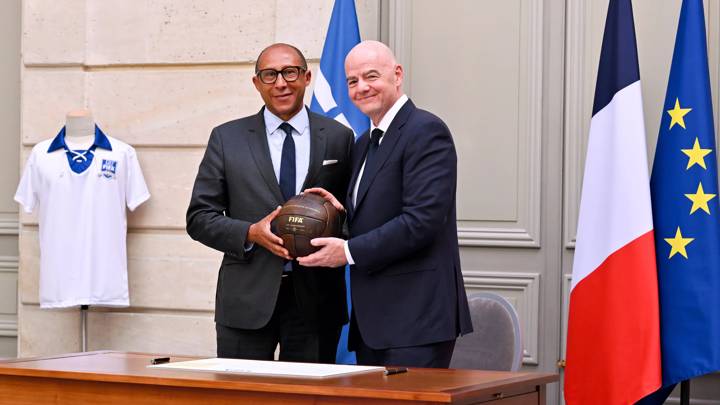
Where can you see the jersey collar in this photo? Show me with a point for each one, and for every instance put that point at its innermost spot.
(101, 140)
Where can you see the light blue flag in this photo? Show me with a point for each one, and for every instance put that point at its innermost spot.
(330, 98)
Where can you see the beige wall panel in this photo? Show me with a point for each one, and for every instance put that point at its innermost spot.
(490, 98)
(158, 283)
(53, 31)
(177, 31)
(8, 248)
(8, 291)
(8, 347)
(169, 245)
(484, 84)
(169, 175)
(44, 332)
(47, 95)
(155, 333)
(9, 111)
(159, 260)
(170, 107)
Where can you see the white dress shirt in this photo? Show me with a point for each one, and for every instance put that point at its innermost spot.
(301, 135)
(383, 125)
(276, 136)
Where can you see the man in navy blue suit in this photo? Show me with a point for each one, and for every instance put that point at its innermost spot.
(408, 296)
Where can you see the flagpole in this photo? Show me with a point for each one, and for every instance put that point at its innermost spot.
(685, 392)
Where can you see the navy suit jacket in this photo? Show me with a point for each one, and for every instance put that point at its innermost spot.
(407, 286)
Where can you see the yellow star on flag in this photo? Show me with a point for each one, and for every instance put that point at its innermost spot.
(677, 114)
(696, 155)
(678, 244)
(700, 200)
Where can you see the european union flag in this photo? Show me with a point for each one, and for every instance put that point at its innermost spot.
(684, 189)
(330, 98)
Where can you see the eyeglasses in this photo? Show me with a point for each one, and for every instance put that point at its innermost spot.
(290, 74)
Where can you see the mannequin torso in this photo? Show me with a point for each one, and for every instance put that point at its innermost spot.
(79, 129)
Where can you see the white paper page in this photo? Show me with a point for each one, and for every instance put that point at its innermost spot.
(271, 368)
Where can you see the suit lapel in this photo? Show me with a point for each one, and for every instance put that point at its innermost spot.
(260, 151)
(359, 151)
(387, 145)
(317, 150)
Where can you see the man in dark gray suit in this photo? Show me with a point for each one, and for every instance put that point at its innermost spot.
(252, 166)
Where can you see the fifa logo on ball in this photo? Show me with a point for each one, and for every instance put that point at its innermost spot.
(295, 220)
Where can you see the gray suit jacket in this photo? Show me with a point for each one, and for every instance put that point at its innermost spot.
(235, 187)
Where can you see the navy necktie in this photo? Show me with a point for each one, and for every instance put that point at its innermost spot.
(375, 137)
(287, 163)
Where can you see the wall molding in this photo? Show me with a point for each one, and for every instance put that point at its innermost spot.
(523, 291)
(578, 90)
(8, 328)
(524, 232)
(499, 237)
(9, 264)
(9, 223)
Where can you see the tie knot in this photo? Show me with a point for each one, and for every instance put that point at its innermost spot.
(287, 128)
(376, 135)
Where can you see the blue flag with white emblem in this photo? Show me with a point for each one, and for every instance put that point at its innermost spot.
(330, 98)
(684, 190)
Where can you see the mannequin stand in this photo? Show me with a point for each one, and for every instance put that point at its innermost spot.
(83, 327)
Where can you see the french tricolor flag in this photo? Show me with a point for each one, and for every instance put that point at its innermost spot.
(613, 339)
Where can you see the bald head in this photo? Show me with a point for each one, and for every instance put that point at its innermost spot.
(374, 78)
(301, 58)
(371, 50)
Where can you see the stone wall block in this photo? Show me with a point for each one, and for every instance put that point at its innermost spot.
(177, 31)
(44, 332)
(53, 32)
(292, 24)
(170, 106)
(179, 334)
(169, 175)
(47, 96)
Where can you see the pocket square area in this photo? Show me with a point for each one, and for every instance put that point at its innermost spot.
(329, 162)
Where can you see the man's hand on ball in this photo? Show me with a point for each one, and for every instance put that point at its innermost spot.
(327, 196)
(331, 253)
(261, 234)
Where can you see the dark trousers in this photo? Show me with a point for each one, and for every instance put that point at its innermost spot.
(433, 355)
(298, 340)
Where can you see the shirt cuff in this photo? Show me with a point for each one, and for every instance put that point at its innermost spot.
(348, 256)
(248, 246)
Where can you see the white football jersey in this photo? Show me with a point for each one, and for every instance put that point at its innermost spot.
(82, 219)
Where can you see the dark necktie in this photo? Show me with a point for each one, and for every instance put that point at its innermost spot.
(375, 137)
(287, 163)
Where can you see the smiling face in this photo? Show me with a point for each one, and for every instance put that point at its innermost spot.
(374, 79)
(282, 98)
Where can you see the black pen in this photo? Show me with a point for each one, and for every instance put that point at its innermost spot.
(392, 371)
(160, 360)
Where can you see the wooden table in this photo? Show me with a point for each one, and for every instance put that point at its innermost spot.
(108, 377)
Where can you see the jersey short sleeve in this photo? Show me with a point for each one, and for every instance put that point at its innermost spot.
(26, 194)
(137, 191)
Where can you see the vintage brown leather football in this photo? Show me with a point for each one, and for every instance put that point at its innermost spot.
(304, 217)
